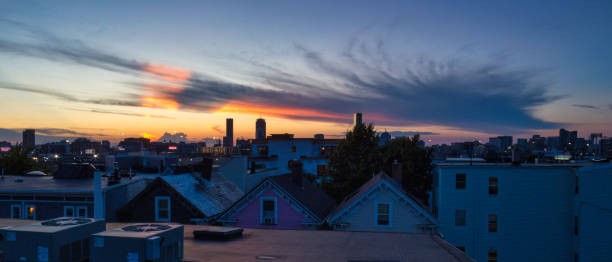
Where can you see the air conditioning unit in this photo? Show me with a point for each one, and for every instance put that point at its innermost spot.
(57, 240)
(139, 243)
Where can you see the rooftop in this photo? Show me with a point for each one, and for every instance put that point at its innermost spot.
(305, 245)
(47, 184)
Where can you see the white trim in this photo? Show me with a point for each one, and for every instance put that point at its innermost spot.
(66, 208)
(261, 201)
(376, 203)
(27, 209)
(20, 211)
(81, 208)
(157, 218)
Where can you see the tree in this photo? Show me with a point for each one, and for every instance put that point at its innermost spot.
(355, 161)
(17, 162)
(416, 165)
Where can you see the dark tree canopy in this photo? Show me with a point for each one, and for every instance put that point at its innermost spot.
(416, 165)
(355, 161)
(359, 157)
(17, 162)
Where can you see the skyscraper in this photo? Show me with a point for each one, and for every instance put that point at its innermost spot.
(260, 129)
(357, 119)
(29, 140)
(228, 139)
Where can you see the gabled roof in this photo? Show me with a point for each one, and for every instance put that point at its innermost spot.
(307, 196)
(210, 197)
(354, 198)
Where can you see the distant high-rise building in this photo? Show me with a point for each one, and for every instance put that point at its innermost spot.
(29, 140)
(228, 139)
(260, 129)
(357, 119)
(385, 138)
(563, 138)
(595, 138)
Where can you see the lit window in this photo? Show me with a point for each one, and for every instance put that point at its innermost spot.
(492, 185)
(69, 211)
(492, 255)
(460, 217)
(492, 223)
(81, 211)
(268, 211)
(383, 214)
(31, 212)
(16, 211)
(162, 208)
(460, 181)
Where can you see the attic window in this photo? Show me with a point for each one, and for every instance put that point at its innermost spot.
(383, 214)
(268, 213)
(162, 209)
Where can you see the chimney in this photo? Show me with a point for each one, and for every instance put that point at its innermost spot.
(396, 172)
(296, 171)
(98, 197)
(206, 168)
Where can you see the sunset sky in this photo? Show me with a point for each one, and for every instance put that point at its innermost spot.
(451, 70)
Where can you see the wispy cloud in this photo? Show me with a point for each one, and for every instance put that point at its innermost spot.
(112, 112)
(585, 106)
(483, 96)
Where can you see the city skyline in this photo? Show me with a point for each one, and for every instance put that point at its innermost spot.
(414, 68)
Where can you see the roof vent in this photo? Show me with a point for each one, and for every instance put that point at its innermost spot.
(66, 222)
(145, 228)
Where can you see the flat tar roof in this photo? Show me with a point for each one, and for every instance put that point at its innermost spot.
(309, 245)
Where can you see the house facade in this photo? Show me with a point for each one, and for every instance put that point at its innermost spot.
(504, 212)
(287, 201)
(382, 205)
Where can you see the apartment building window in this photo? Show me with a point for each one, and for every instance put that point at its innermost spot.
(460, 181)
(383, 214)
(69, 211)
(31, 212)
(293, 149)
(81, 211)
(162, 209)
(268, 212)
(493, 185)
(492, 223)
(576, 225)
(16, 211)
(460, 217)
(492, 255)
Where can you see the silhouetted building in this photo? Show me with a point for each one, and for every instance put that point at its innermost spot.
(29, 140)
(260, 129)
(537, 142)
(228, 139)
(357, 119)
(385, 138)
(134, 144)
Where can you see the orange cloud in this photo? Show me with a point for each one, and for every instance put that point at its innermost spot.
(156, 102)
(248, 108)
(169, 73)
(147, 135)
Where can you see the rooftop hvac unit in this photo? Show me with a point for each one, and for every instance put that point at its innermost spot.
(139, 243)
(57, 240)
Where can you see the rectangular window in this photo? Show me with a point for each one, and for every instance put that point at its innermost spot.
(576, 225)
(31, 212)
(293, 149)
(460, 181)
(81, 211)
(492, 223)
(69, 211)
(492, 255)
(162, 209)
(16, 211)
(268, 211)
(460, 217)
(383, 214)
(492, 185)
(462, 248)
(321, 170)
